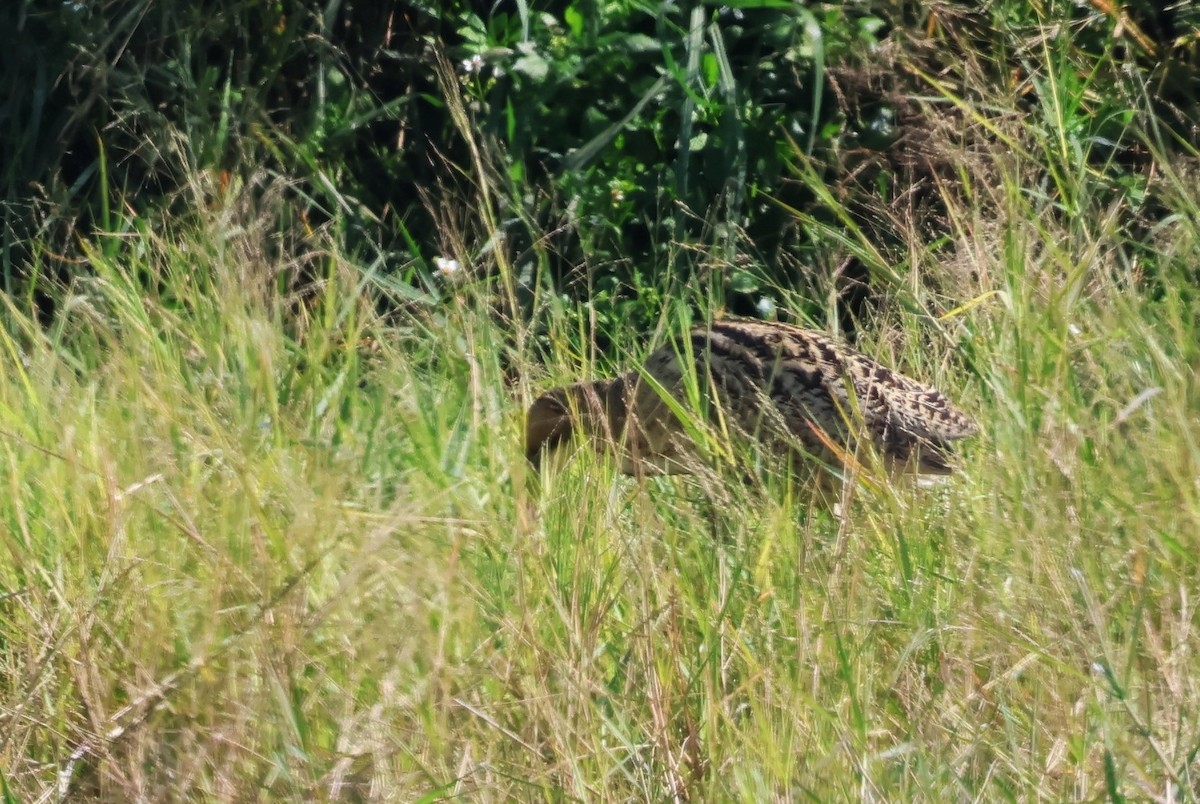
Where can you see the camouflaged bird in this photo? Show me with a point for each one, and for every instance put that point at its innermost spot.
(794, 390)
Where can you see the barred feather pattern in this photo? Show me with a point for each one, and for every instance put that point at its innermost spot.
(792, 389)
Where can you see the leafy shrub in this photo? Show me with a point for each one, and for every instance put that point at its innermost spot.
(614, 151)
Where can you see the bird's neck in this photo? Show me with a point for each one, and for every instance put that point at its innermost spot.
(603, 406)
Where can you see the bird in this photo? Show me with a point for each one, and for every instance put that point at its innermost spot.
(795, 391)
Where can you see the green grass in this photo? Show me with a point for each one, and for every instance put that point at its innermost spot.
(245, 556)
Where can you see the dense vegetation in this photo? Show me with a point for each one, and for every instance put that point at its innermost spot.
(280, 278)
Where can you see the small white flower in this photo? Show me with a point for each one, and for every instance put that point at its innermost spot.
(445, 267)
(472, 65)
(766, 307)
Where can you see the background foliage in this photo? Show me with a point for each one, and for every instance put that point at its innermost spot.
(612, 144)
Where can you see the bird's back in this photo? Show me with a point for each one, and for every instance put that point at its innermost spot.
(796, 388)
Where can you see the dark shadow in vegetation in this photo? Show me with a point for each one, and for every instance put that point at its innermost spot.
(621, 151)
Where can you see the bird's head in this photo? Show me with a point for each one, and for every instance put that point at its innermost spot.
(594, 409)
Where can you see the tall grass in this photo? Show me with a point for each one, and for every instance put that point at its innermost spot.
(261, 542)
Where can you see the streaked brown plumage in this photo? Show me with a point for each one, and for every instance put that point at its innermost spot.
(792, 389)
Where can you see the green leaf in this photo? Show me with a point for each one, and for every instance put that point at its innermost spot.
(641, 43)
(743, 282)
(574, 21)
(711, 69)
(532, 65)
(1112, 779)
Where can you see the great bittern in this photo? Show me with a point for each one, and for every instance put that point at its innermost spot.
(794, 390)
